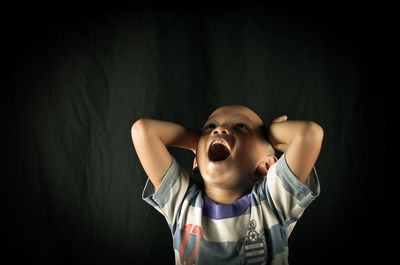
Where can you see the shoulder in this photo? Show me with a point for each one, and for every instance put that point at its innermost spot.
(281, 181)
(176, 182)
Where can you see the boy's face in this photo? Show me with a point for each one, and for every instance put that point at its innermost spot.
(230, 147)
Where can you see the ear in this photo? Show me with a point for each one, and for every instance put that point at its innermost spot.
(264, 165)
(195, 167)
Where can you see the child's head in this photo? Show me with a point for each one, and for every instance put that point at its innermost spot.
(233, 151)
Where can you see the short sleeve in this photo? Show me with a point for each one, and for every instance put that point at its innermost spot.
(169, 196)
(289, 196)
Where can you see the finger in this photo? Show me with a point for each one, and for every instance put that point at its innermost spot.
(280, 118)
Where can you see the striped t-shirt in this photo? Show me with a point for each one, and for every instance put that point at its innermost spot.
(252, 230)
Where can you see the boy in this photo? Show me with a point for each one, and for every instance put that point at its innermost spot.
(250, 201)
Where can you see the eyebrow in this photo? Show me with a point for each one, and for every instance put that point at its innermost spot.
(238, 118)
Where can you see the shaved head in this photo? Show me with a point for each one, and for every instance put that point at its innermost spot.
(235, 109)
(250, 116)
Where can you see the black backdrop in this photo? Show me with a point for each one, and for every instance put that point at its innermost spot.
(78, 76)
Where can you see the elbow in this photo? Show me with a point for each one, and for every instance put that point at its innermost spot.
(313, 132)
(316, 129)
(138, 128)
(138, 124)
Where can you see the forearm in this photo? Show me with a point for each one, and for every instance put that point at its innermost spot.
(170, 134)
(283, 134)
(301, 141)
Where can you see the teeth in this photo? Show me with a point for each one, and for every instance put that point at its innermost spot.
(220, 142)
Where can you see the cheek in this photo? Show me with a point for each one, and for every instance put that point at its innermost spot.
(247, 154)
(201, 152)
(244, 160)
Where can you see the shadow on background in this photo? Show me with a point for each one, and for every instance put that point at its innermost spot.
(79, 75)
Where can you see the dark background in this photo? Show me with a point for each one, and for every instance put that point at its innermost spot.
(79, 75)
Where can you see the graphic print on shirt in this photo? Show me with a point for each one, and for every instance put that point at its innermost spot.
(197, 230)
(254, 247)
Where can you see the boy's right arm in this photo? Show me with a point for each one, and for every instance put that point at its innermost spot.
(151, 138)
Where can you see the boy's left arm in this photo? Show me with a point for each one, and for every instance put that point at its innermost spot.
(300, 140)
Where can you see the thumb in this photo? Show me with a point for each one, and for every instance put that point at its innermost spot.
(280, 119)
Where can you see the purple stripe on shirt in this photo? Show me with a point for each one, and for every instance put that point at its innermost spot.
(221, 211)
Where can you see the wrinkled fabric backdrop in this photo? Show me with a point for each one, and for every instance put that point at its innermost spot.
(80, 76)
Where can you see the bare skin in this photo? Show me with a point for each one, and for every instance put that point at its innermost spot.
(238, 128)
(228, 180)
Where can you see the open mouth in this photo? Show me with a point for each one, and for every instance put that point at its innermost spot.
(218, 151)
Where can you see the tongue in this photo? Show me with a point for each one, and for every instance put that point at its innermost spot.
(218, 152)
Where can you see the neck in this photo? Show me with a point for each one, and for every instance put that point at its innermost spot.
(223, 196)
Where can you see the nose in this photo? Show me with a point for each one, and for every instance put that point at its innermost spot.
(220, 130)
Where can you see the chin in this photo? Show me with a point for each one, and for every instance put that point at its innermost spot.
(216, 176)
(222, 176)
